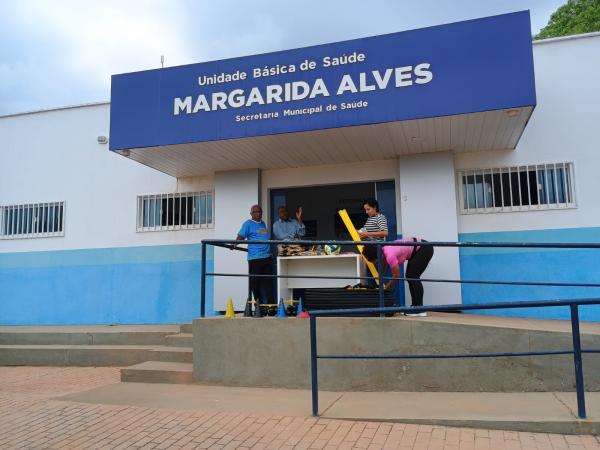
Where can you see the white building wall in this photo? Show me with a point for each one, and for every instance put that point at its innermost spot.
(429, 212)
(565, 126)
(54, 156)
(235, 192)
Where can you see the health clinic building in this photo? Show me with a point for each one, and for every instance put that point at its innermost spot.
(463, 132)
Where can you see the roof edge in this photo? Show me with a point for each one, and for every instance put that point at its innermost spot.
(58, 108)
(84, 105)
(567, 38)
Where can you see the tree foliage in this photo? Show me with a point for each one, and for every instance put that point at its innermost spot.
(576, 17)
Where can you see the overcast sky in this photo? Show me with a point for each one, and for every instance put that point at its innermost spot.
(63, 52)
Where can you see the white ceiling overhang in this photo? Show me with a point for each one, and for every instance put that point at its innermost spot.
(489, 130)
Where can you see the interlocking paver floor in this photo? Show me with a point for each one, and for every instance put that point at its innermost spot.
(30, 418)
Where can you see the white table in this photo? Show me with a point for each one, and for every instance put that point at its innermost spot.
(348, 266)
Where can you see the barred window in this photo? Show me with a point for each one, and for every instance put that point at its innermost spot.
(518, 188)
(32, 220)
(176, 211)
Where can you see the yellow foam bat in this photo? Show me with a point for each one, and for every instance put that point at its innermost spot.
(355, 237)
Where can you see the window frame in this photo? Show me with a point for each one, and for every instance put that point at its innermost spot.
(28, 220)
(506, 174)
(151, 215)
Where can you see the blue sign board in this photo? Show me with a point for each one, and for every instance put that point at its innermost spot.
(477, 65)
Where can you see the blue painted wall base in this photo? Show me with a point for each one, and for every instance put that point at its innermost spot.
(161, 284)
(132, 285)
(545, 265)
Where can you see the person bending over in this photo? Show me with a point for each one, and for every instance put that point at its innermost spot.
(418, 258)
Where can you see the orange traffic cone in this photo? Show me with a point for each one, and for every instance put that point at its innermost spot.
(301, 313)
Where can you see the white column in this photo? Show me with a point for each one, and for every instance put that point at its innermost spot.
(235, 192)
(428, 211)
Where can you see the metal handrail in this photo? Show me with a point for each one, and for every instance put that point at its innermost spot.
(575, 333)
(428, 280)
(382, 311)
(590, 245)
(459, 307)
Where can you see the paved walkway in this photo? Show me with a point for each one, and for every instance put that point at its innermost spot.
(31, 416)
(545, 412)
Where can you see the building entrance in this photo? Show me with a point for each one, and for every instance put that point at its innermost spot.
(321, 204)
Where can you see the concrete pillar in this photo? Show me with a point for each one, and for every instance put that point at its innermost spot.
(235, 192)
(428, 211)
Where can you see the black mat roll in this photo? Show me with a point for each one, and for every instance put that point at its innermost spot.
(339, 298)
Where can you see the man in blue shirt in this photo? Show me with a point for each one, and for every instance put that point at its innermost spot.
(260, 260)
(287, 229)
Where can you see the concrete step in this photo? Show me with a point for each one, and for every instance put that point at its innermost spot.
(90, 355)
(87, 335)
(74, 355)
(185, 328)
(180, 340)
(173, 354)
(159, 372)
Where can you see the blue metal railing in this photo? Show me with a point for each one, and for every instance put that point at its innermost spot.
(576, 338)
(573, 303)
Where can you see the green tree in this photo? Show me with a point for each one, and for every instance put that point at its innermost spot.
(577, 16)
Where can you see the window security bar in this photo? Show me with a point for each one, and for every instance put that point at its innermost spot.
(32, 220)
(518, 188)
(175, 211)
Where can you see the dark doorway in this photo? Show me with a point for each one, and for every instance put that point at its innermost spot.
(321, 205)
